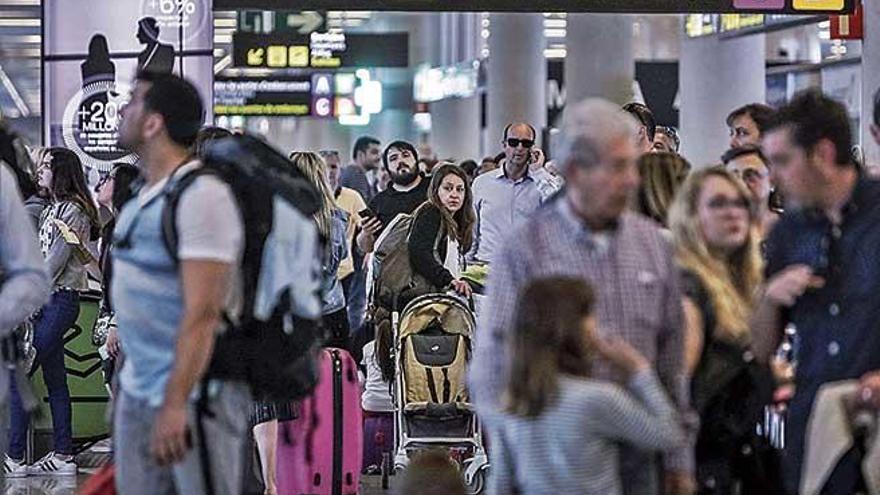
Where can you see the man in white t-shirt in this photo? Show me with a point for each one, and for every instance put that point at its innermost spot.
(169, 310)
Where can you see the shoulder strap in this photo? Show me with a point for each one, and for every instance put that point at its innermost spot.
(169, 210)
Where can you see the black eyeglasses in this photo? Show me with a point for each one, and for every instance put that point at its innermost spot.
(724, 203)
(526, 143)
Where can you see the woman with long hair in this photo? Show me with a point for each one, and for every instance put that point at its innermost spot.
(662, 175)
(112, 192)
(67, 225)
(443, 230)
(716, 230)
(559, 430)
(331, 223)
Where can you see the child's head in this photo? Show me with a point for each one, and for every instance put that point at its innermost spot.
(553, 331)
(431, 472)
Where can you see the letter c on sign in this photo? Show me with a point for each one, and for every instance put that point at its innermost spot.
(322, 107)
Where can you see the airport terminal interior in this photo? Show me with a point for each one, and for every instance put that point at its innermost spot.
(339, 247)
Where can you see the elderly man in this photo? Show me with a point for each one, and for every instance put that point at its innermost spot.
(587, 232)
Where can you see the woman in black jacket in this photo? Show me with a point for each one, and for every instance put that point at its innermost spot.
(443, 230)
(716, 232)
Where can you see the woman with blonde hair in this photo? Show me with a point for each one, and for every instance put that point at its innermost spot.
(662, 175)
(331, 222)
(716, 231)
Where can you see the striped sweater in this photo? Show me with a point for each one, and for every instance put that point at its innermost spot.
(572, 447)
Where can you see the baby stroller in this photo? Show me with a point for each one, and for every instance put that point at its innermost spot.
(432, 347)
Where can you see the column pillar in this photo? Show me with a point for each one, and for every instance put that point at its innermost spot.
(715, 76)
(870, 78)
(456, 121)
(517, 74)
(599, 57)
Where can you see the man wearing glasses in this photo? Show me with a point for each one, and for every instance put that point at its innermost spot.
(504, 198)
(749, 164)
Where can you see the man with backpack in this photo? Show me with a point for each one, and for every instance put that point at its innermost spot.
(170, 305)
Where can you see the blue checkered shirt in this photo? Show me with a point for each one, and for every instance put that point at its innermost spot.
(639, 299)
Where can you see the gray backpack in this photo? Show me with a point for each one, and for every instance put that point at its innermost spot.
(394, 281)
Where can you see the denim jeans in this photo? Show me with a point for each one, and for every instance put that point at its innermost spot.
(355, 288)
(226, 430)
(53, 321)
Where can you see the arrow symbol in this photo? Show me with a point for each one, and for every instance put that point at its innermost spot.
(306, 21)
(255, 56)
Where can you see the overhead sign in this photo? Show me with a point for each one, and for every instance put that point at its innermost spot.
(438, 83)
(268, 21)
(320, 50)
(621, 6)
(729, 25)
(254, 96)
(105, 44)
(350, 97)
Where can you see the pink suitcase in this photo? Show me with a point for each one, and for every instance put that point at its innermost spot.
(319, 453)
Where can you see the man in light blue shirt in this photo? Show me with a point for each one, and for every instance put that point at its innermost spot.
(169, 308)
(504, 198)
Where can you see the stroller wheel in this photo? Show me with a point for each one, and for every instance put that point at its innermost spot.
(477, 484)
(477, 481)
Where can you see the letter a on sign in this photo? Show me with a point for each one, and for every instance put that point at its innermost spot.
(322, 85)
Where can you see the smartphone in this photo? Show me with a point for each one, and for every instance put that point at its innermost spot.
(366, 213)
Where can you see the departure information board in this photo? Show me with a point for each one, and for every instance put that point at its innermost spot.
(320, 50)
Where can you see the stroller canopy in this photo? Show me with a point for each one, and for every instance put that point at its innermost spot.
(448, 311)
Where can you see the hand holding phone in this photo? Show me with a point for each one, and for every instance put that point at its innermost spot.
(536, 159)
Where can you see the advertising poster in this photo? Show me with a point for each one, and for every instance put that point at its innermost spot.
(91, 52)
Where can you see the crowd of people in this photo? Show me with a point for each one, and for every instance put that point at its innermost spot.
(628, 341)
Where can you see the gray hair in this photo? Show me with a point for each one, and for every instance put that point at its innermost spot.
(589, 128)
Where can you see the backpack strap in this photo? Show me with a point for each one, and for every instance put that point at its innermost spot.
(169, 211)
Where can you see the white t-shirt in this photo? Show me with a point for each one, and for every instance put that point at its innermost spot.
(209, 225)
(377, 392)
(453, 257)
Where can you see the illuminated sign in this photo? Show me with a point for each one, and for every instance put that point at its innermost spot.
(439, 83)
(90, 55)
(320, 50)
(622, 6)
(253, 96)
(697, 25)
(268, 21)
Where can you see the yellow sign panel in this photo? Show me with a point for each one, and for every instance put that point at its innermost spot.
(298, 56)
(255, 56)
(700, 25)
(276, 56)
(818, 4)
(731, 22)
(328, 62)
